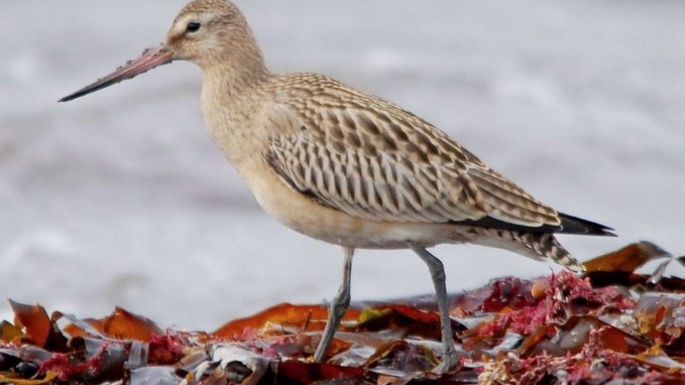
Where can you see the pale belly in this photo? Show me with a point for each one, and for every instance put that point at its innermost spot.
(305, 216)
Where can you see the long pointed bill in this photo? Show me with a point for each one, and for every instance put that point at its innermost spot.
(150, 59)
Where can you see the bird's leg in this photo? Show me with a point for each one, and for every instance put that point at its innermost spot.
(338, 308)
(437, 270)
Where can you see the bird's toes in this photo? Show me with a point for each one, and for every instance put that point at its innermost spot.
(449, 362)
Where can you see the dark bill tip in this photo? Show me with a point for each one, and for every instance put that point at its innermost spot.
(150, 59)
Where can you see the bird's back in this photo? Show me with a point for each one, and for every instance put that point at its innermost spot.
(370, 158)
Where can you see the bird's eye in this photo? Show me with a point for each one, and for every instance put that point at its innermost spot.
(193, 26)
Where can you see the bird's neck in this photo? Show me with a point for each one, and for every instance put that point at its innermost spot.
(234, 63)
(234, 76)
(231, 100)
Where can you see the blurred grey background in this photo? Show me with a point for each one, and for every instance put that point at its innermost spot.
(122, 199)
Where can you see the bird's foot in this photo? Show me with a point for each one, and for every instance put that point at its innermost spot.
(449, 362)
(319, 355)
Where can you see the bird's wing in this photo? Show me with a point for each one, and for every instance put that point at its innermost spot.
(371, 159)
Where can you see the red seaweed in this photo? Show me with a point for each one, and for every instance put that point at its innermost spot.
(611, 325)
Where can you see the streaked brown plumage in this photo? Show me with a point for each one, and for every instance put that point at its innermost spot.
(371, 159)
(347, 167)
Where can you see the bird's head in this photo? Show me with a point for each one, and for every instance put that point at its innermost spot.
(208, 33)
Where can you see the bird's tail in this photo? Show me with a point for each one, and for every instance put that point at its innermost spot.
(533, 245)
(547, 246)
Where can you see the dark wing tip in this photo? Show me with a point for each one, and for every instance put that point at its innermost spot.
(575, 225)
(569, 225)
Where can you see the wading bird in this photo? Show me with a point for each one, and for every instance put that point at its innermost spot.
(346, 167)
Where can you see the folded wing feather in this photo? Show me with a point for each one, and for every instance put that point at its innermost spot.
(373, 160)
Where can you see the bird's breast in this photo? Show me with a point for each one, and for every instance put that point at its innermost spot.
(231, 133)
